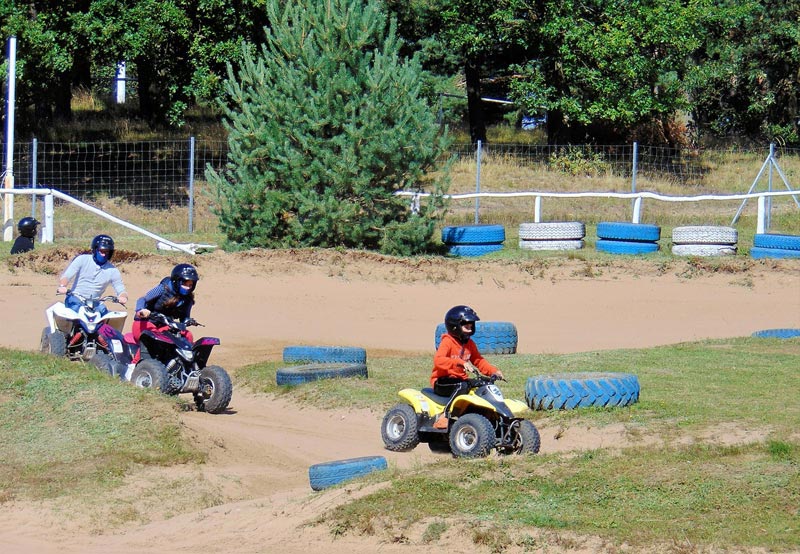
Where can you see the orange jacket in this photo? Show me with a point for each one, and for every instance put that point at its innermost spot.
(451, 355)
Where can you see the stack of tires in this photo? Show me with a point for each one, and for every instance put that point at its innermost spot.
(627, 238)
(321, 362)
(704, 240)
(769, 245)
(473, 240)
(491, 337)
(556, 235)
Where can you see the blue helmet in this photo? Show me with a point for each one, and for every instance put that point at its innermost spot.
(183, 272)
(458, 316)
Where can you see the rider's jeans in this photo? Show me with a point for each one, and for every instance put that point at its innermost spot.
(74, 304)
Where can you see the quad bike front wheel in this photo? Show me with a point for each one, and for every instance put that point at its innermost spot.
(472, 436)
(215, 391)
(399, 429)
(150, 374)
(54, 343)
(528, 439)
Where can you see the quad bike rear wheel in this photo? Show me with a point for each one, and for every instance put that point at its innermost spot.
(215, 391)
(472, 436)
(150, 374)
(399, 429)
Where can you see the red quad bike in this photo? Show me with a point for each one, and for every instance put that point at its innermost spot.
(177, 366)
(479, 421)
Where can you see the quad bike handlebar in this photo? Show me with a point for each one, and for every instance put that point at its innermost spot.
(88, 300)
(480, 378)
(165, 321)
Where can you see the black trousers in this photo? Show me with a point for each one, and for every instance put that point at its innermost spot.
(450, 386)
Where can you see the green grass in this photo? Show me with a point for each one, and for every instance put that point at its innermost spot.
(670, 480)
(66, 428)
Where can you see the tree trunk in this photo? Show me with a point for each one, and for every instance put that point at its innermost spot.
(477, 122)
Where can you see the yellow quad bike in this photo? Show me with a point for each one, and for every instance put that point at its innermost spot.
(472, 425)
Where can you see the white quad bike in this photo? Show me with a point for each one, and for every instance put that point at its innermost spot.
(87, 334)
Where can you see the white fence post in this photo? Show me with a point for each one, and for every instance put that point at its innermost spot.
(637, 209)
(47, 231)
(537, 210)
(761, 223)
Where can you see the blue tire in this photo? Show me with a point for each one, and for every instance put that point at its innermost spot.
(491, 337)
(324, 354)
(777, 333)
(581, 390)
(628, 231)
(758, 252)
(299, 374)
(770, 240)
(474, 234)
(322, 476)
(473, 250)
(625, 247)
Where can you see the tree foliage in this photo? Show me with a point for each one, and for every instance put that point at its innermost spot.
(325, 123)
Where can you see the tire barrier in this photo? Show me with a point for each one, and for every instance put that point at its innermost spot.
(299, 374)
(627, 238)
(491, 337)
(473, 240)
(568, 391)
(322, 476)
(770, 245)
(777, 333)
(324, 354)
(554, 235)
(704, 240)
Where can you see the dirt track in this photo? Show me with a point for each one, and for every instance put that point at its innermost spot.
(260, 302)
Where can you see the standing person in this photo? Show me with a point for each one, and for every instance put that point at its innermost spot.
(27, 234)
(93, 273)
(456, 352)
(173, 297)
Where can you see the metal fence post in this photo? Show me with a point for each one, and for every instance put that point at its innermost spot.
(34, 150)
(634, 169)
(478, 182)
(191, 184)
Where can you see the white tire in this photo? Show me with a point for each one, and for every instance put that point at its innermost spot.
(704, 234)
(703, 250)
(550, 244)
(555, 230)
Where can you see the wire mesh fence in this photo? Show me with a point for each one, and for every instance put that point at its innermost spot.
(160, 185)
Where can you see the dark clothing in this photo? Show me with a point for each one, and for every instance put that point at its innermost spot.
(22, 244)
(450, 386)
(164, 300)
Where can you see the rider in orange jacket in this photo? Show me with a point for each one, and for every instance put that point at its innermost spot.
(456, 350)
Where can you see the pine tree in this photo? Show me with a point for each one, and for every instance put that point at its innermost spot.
(324, 126)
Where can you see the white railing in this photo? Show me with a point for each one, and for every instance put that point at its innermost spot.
(637, 197)
(47, 225)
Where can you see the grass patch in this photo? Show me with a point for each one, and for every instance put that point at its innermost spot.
(711, 454)
(66, 428)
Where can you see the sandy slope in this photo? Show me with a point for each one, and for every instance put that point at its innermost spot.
(259, 302)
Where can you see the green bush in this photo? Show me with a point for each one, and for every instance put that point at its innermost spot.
(324, 125)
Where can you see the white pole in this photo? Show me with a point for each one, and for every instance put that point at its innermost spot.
(537, 210)
(8, 205)
(761, 226)
(119, 83)
(637, 210)
(477, 181)
(47, 232)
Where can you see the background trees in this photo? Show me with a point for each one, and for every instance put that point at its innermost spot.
(325, 122)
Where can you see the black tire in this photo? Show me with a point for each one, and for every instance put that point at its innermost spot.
(491, 337)
(322, 476)
(56, 343)
(150, 374)
(625, 246)
(640, 232)
(777, 333)
(324, 354)
(474, 234)
(581, 390)
(44, 341)
(400, 429)
(216, 390)
(472, 436)
(529, 439)
(106, 364)
(299, 374)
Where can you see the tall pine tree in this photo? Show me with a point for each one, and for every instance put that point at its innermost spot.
(324, 126)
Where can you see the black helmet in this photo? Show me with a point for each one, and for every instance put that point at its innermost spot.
(182, 272)
(105, 242)
(456, 317)
(27, 227)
